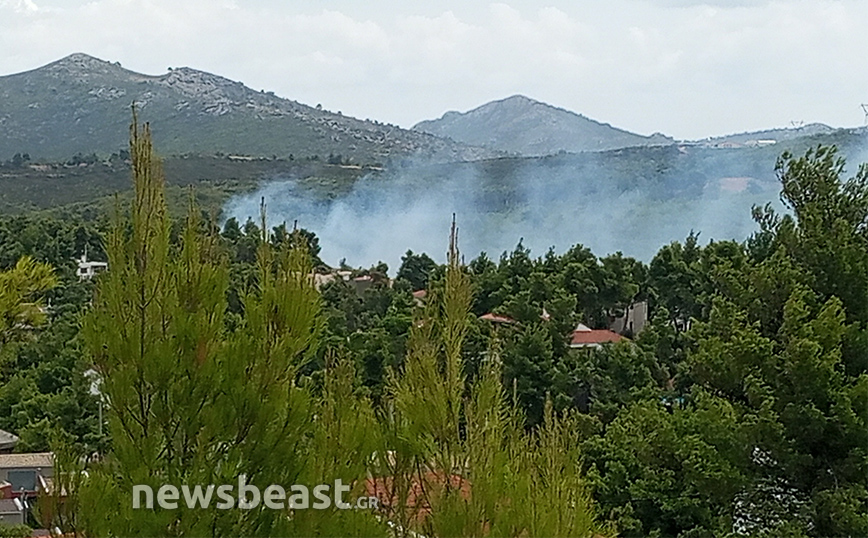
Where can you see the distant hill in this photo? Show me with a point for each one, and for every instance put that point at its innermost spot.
(630, 199)
(81, 104)
(778, 135)
(523, 126)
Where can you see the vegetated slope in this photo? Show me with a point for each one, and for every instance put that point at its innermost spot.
(81, 104)
(777, 135)
(90, 186)
(630, 199)
(524, 126)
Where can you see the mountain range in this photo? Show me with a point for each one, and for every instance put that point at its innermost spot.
(81, 104)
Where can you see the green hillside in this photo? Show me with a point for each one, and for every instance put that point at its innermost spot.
(80, 104)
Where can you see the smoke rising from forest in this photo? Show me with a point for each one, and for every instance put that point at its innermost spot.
(552, 202)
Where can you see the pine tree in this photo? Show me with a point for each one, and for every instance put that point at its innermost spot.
(20, 303)
(191, 402)
(458, 461)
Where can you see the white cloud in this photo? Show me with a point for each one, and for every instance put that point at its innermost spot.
(19, 6)
(688, 68)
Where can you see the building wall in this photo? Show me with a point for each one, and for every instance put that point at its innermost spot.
(633, 321)
(16, 475)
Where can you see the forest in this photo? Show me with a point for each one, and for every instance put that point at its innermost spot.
(740, 409)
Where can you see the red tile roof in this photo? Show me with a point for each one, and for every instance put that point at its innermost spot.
(583, 336)
(418, 491)
(496, 318)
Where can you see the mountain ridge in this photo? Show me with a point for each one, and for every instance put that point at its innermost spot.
(80, 104)
(524, 126)
(778, 134)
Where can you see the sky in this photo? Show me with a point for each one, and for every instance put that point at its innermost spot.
(687, 68)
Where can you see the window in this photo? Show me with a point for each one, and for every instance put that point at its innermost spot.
(22, 479)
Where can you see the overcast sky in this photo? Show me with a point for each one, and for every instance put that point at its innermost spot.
(687, 68)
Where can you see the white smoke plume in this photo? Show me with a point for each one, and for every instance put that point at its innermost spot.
(552, 202)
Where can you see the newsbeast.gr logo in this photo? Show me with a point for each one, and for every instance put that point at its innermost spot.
(248, 497)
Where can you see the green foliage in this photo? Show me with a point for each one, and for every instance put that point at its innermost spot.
(828, 235)
(20, 309)
(416, 269)
(42, 387)
(466, 461)
(190, 402)
(661, 471)
(87, 190)
(15, 531)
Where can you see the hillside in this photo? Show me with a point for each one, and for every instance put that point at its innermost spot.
(767, 135)
(658, 172)
(523, 126)
(92, 185)
(629, 199)
(81, 104)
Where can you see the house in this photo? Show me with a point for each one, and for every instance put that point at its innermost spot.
(419, 297)
(24, 471)
(87, 269)
(586, 338)
(416, 490)
(320, 280)
(497, 318)
(359, 283)
(362, 283)
(727, 145)
(633, 320)
(7, 442)
(761, 143)
(12, 512)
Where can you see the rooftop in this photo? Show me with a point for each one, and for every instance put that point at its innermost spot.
(420, 490)
(7, 440)
(496, 318)
(34, 459)
(584, 336)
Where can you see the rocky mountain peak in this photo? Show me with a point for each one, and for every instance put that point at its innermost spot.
(83, 65)
(525, 126)
(80, 104)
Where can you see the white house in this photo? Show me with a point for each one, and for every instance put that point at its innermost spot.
(87, 269)
(632, 321)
